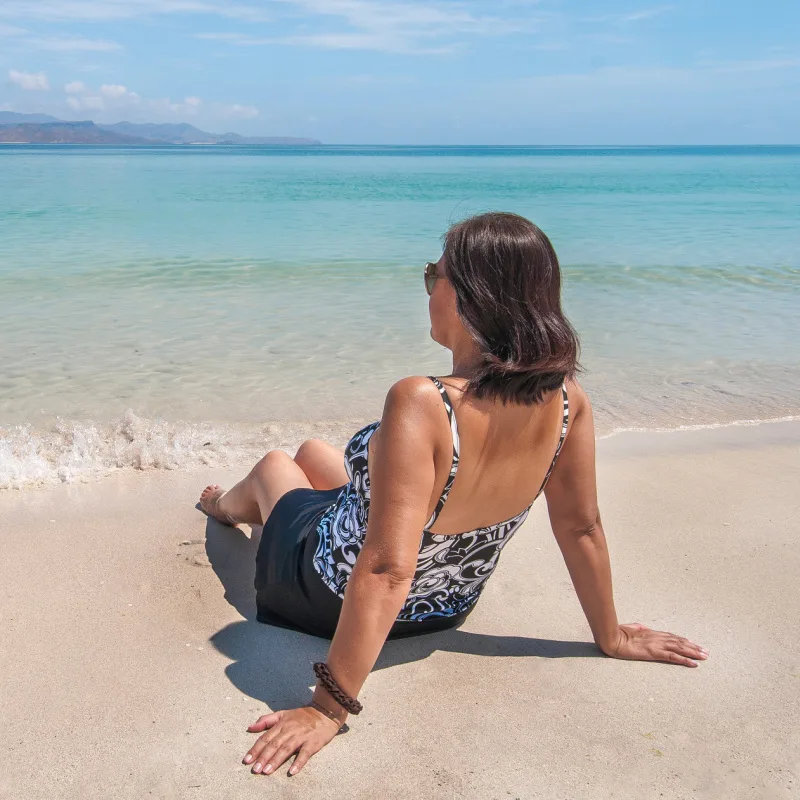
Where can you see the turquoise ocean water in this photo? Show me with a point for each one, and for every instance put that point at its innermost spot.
(170, 306)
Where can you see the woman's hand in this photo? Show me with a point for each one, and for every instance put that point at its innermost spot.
(304, 731)
(638, 643)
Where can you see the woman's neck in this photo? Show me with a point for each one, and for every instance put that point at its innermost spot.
(465, 362)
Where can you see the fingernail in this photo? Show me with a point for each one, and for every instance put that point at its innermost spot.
(268, 769)
(257, 767)
(248, 758)
(293, 770)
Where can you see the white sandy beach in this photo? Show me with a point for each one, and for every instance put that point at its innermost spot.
(131, 663)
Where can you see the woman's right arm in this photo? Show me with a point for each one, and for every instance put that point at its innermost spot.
(571, 496)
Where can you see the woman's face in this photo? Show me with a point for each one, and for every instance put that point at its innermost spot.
(446, 326)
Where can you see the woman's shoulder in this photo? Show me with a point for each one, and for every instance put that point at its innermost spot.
(414, 399)
(415, 390)
(576, 396)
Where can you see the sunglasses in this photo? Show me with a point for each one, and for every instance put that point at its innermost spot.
(430, 277)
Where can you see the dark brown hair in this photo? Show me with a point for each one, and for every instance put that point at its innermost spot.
(508, 294)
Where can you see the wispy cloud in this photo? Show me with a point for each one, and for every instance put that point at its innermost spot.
(755, 65)
(372, 40)
(400, 26)
(66, 44)
(646, 13)
(238, 39)
(11, 30)
(633, 16)
(589, 91)
(98, 10)
(30, 81)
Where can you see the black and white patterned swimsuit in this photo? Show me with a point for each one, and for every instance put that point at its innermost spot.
(451, 570)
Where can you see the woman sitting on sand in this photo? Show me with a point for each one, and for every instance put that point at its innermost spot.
(385, 520)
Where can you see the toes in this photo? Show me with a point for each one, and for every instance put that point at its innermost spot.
(207, 493)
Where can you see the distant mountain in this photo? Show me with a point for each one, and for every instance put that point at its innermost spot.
(65, 133)
(45, 129)
(180, 133)
(12, 118)
(183, 133)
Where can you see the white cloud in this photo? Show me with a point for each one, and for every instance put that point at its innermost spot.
(113, 91)
(11, 30)
(114, 99)
(86, 101)
(30, 81)
(236, 111)
(67, 44)
(109, 95)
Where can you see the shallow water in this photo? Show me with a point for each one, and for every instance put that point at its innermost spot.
(221, 293)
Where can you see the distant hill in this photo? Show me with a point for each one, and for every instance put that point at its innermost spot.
(44, 129)
(65, 133)
(183, 133)
(12, 118)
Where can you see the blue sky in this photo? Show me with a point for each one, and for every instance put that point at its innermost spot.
(408, 71)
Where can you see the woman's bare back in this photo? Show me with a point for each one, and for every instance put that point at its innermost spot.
(505, 452)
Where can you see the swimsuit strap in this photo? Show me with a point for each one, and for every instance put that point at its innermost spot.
(564, 424)
(451, 415)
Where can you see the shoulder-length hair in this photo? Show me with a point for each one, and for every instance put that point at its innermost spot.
(508, 294)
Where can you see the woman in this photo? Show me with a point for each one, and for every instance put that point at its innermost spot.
(387, 519)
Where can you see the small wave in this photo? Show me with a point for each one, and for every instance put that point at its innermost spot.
(738, 423)
(79, 452)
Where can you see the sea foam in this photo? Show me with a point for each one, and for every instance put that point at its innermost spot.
(77, 451)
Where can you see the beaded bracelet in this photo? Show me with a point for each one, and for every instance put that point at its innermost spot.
(349, 704)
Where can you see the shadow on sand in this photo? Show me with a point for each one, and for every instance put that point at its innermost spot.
(272, 664)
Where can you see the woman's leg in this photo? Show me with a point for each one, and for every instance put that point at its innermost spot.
(317, 465)
(254, 497)
(322, 463)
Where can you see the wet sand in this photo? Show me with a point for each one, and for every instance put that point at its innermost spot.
(131, 662)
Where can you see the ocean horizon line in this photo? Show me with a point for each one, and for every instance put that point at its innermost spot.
(438, 145)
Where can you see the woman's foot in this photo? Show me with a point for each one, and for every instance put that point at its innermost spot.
(209, 502)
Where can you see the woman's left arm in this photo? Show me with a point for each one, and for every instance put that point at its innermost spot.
(402, 475)
(572, 504)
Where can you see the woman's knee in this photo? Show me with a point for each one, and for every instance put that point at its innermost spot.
(272, 461)
(309, 452)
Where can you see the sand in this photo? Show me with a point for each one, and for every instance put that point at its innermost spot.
(131, 663)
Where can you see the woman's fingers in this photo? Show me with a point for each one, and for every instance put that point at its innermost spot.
(686, 648)
(679, 653)
(264, 722)
(285, 750)
(688, 645)
(275, 753)
(306, 751)
(254, 753)
(677, 658)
